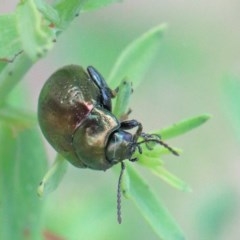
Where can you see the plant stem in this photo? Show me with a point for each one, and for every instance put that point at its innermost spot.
(12, 74)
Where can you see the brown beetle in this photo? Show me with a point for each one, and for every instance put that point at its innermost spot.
(75, 116)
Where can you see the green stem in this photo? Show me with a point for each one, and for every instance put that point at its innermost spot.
(17, 117)
(12, 74)
(53, 176)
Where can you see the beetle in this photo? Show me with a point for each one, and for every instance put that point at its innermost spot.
(75, 116)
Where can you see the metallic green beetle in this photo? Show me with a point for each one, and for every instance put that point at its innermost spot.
(75, 116)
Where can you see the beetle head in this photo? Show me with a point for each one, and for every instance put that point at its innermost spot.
(120, 146)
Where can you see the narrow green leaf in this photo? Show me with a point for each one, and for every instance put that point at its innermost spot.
(9, 40)
(182, 127)
(53, 176)
(136, 58)
(22, 162)
(171, 179)
(12, 75)
(151, 162)
(122, 100)
(35, 35)
(48, 11)
(2, 65)
(68, 10)
(8, 194)
(30, 163)
(17, 117)
(152, 209)
(93, 4)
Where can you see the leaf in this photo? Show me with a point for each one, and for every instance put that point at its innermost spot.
(22, 163)
(48, 11)
(53, 176)
(93, 4)
(10, 78)
(31, 164)
(35, 34)
(134, 61)
(151, 162)
(9, 40)
(17, 117)
(8, 194)
(68, 10)
(152, 209)
(182, 127)
(123, 98)
(171, 179)
(2, 65)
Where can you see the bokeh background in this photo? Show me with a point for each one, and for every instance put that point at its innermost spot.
(191, 75)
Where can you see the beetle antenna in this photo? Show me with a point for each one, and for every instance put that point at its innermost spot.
(167, 147)
(119, 195)
(160, 142)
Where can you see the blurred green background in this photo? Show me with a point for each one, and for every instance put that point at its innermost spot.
(197, 70)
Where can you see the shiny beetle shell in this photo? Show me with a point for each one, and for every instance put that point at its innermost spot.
(75, 116)
(72, 120)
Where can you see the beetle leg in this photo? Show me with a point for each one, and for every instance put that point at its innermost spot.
(128, 112)
(129, 124)
(133, 159)
(106, 93)
(114, 92)
(124, 117)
